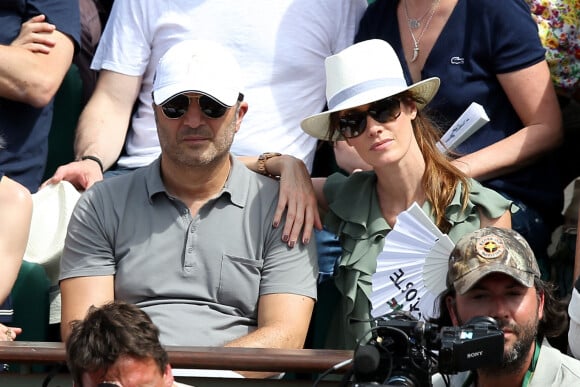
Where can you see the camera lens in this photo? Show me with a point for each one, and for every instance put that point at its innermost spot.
(400, 380)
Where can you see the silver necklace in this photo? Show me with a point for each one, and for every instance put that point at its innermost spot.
(412, 22)
(416, 41)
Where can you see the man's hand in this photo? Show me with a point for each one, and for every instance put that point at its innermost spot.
(297, 198)
(9, 333)
(82, 174)
(36, 35)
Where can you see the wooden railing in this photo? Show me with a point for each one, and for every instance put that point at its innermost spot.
(243, 359)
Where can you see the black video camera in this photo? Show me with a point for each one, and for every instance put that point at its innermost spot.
(478, 343)
(407, 352)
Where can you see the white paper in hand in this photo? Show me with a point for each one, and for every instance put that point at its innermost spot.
(473, 118)
(412, 268)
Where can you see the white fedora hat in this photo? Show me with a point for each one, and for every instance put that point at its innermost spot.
(360, 74)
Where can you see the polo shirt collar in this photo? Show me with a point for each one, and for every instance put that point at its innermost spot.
(236, 184)
(153, 182)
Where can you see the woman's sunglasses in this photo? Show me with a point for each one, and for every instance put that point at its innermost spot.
(354, 123)
(177, 106)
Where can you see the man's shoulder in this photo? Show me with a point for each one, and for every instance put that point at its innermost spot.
(122, 179)
(119, 188)
(254, 183)
(556, 368)
(569, 364)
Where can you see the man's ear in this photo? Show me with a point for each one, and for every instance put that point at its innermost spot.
(450, 302)
(241, 111)
(168, 376)
(541, 298)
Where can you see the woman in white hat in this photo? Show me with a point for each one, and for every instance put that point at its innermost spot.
(16, 212)
(372, 108)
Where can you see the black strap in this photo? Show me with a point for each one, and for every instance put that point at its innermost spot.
(96, 160)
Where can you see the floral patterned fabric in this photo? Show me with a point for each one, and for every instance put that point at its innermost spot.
(558, 23)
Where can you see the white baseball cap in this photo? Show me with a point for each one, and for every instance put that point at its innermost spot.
(198, 66)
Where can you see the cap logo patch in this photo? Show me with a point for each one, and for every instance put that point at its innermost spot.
(490, 247)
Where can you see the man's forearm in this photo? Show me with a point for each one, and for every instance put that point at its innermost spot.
(100, 135)
(270, 337)
(275, 328)
(267, 337)
(103, 124)
(34, 78)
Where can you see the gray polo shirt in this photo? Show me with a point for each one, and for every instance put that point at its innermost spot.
(199, 278)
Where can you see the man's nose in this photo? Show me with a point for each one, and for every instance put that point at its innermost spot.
(498, 309)
(193, 116)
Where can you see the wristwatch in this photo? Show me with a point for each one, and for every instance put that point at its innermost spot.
(262, 162)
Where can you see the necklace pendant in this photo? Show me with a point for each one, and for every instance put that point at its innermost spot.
(415, 53)
(414, 23)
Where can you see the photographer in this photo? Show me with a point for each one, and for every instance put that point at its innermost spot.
(493, 272)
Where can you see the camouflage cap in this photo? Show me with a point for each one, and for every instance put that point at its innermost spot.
(491, 250)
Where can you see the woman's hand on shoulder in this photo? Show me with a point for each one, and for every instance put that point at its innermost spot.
(297, 198)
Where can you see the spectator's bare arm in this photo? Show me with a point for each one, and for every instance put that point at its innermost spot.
(34, 77)
(79, 294)
(101, 129)
(15, 216)
(276, 327)
(532, 95)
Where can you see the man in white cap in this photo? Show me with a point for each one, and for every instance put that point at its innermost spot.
(189, 238)
(493, 272)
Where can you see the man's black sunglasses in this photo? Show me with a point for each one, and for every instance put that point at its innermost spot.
(354, 123)
(177, 106)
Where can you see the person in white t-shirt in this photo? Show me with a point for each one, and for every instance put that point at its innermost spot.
(281, 46)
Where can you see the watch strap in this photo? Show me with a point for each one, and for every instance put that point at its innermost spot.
(262, 162)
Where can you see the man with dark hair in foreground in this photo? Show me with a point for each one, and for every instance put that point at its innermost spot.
(117, 345)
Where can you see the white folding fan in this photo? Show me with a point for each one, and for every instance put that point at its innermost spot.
(412, 268)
